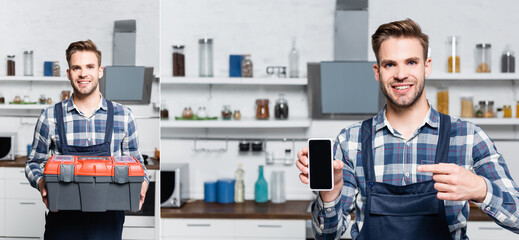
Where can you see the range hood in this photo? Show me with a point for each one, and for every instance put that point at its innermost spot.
(351, 38)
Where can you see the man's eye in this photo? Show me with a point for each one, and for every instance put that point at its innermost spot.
(412, 62)
(90, 67)
(390, 65)
(75, 68)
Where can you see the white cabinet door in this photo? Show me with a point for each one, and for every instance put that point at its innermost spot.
(193, 228)
(15, 173)
(138, 233)
(20, 189)
(21, 213)
(488, 231)
(270, 229)
(2, 215)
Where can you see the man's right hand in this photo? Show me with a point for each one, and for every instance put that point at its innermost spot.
(302, 164)
(43, 192)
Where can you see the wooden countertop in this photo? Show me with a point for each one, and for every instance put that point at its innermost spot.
(19, 161)
(252, 210)
(247, 210)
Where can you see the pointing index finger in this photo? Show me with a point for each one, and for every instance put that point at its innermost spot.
(435, 168)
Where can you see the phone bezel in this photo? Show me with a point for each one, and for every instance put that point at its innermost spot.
(331, 165)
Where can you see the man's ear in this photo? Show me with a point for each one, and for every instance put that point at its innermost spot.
(428, 67)
(376, 71)
(101, 72)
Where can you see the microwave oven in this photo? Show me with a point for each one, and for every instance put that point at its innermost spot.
(7, 145)
(174, 184)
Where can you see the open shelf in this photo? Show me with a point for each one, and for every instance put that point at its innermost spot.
(23, 106)
(233, 80)
(33, 79)
(493, 121)
(243, 123)
(474, 76)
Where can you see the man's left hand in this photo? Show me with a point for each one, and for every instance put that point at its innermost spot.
(455, 183)
(144, 188)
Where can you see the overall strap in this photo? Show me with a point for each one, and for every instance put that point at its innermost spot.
(442, 149)
(60, 124)
(367, 150)
(109, 122)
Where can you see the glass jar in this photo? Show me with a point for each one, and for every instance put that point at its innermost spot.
(226, 112)
(56, 69)
(2, 98)
(443, 100)
(467, 107)
(487, 109)
(205, 54)
(236, 115)
(26, 99)
(178, 61)
(11, 65)
(28, 69)
(483, 58)
(508, 61)
(65, 95)
(246, 66)
(17, 99)
(262, 109)
(164, 113)
(453, 61)
(507, 110)
(500, 113)
(281, 107)
(42, 99)
(201, 113)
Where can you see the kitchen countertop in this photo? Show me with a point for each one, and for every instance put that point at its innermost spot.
(252, 210)
(19, 161)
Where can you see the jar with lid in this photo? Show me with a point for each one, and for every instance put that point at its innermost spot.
(281, 107)
(2, 98)
(236, 115)
(246, 66)
(500, 113)
(28, 69)
(49, 100)
(205, 57)
(43, 99)
(226, 112)
(56, 69)
(17, 99)
(443, 100)
(467, 107)
(187, 113)
(483, 58)
(487, 108)
(262, 109)
(11, 65)
(26, 99)
(453, 61)
(507, 111)
(65, 94)
(178, 61)
(201, 113)
(164, 113)
(508, 60)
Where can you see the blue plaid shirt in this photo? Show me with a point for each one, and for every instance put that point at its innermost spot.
(395, 161)
(81, 131)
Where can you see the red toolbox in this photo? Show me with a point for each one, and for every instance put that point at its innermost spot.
(93, 183)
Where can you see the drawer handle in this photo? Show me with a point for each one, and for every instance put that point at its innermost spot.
(198, 225)
(28, 203)
(269, 226)
(490, 228)
(24, 183)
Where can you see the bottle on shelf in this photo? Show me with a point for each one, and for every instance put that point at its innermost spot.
(261, 194)
(239, 185)
(293, 61)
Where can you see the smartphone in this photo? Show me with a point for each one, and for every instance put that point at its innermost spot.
(320, 164)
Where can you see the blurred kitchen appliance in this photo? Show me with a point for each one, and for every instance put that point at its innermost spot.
(7, 145)
(350, 38)
(343, 90)
(174, 184)
(125, 32)
(127, 84)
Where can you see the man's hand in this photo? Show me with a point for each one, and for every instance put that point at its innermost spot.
(302, 164)
(144, 188)
(43, 192)
(455, 183)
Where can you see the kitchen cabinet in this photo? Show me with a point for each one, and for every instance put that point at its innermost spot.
(233, 81)
(139, 228)
(23, 205)
(486, 230)
(181, 228)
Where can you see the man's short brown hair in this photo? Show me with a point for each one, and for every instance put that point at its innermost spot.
(87, 45)
(405, 28)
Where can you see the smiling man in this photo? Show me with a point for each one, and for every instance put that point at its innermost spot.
(410, 171)
(84, 125)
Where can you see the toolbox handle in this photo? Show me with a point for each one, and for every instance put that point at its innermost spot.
(121, 174)
(66, 173)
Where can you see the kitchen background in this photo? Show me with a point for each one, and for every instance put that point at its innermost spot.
(265, 30)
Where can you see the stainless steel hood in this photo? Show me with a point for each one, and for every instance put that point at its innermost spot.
(351, 30)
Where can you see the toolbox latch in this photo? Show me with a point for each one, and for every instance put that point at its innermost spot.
(121, 174)
(66, 173)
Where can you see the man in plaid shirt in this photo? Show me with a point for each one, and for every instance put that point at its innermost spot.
(85, 125)
(410, 172)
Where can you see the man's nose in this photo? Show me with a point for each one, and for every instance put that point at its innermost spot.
(401, 74)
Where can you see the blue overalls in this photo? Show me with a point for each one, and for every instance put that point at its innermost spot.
(84, 225)
(403, 212)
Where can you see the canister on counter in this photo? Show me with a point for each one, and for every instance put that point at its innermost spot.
(210, 191)
(467, 107)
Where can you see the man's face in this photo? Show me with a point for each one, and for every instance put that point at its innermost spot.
(84, 73)
(402, 71)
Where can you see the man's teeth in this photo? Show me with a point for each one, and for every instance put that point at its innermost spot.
(402, 87)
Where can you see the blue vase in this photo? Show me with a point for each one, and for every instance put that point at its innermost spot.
(261, 193)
